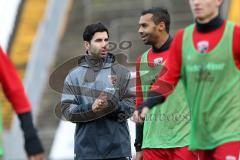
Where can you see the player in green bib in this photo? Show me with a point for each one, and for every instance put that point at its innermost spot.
(205, 56)
(166, 127)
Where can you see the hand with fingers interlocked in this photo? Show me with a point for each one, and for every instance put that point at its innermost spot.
(100, 103)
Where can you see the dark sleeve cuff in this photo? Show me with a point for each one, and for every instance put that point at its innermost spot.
(33, 144)
(153, 99)
(139, 137)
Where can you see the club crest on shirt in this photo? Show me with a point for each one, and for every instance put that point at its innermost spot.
(202, 46)
(158, 61)
(231, 158)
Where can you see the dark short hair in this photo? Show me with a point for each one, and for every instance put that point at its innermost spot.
(91, 29)
(159, 15)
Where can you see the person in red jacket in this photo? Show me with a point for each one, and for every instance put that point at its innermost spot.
(14, 91)
(206, 56)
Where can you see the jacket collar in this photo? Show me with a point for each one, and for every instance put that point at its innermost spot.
(97, 63)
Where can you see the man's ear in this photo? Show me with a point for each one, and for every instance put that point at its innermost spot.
(86, 45)
(161, 26)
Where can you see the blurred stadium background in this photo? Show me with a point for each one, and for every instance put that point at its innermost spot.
(40, 35)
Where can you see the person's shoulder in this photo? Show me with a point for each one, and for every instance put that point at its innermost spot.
(2, 52)
(138, 59)
(74, 73)
(140, 56)
(179, 33)
(237, 28)
(120, 67)
(178, 37)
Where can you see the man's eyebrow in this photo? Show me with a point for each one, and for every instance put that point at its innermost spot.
(100, 39)
(143, 23)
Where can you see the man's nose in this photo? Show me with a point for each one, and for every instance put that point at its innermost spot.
(104, 44)
(140, 30)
